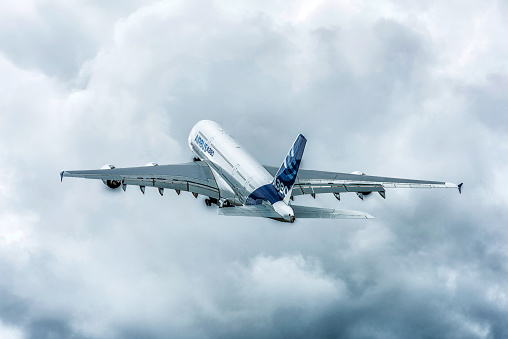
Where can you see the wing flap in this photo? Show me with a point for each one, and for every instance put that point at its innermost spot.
(318, 188)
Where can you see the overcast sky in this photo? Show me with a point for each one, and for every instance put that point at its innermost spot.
(406, 89)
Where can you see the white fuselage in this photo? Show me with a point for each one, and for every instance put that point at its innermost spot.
(229, 160)
(236, 171)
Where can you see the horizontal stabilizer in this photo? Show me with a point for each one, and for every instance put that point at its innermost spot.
(249, 211)
(328, 213)
(266, 211)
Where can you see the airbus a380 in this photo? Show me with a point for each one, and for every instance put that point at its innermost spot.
(239, 185)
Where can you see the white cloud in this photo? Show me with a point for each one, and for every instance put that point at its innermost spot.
(409, 90)
(289, 281)
(8, 332)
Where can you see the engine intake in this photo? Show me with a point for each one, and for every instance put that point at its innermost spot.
(358, 173)
(113, 183)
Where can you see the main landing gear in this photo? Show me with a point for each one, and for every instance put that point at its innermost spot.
(210, 201)
(221, 203)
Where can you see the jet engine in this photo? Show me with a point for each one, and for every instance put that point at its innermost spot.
(111, 183)
(361, 195)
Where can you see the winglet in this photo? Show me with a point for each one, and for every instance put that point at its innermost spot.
(61, 176)
(460, 187)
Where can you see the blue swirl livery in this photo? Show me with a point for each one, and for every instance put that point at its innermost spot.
(286, 176)
(282, 185)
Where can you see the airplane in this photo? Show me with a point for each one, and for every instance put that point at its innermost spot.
(225, 172)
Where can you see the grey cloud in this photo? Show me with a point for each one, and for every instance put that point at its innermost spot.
(80, 261)
(52, 41)
(51, 328)
(488, 102)
(55, 37)
(13, 309)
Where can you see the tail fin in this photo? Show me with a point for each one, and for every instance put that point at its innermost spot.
(286, 176)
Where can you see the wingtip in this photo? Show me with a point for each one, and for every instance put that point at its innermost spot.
(61, 176)
(459, 186)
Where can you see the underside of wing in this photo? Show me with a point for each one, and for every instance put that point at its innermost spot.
(316, 182)
(195, 177)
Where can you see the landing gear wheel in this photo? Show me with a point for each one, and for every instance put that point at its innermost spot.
(208, 202)
(224, 203)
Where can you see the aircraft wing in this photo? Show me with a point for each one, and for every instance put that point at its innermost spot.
(316, 182)
(195, 177)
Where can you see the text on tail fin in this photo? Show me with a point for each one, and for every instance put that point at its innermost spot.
(286, 175)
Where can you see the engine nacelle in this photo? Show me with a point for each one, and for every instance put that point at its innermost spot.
(358, 173)
(111, 183)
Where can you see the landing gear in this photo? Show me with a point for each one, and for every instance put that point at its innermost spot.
(210, 201)
(225, 203)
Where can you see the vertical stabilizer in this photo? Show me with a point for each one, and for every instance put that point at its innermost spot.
(286, 175)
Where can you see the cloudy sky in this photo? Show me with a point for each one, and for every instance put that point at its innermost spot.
(407, 89)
